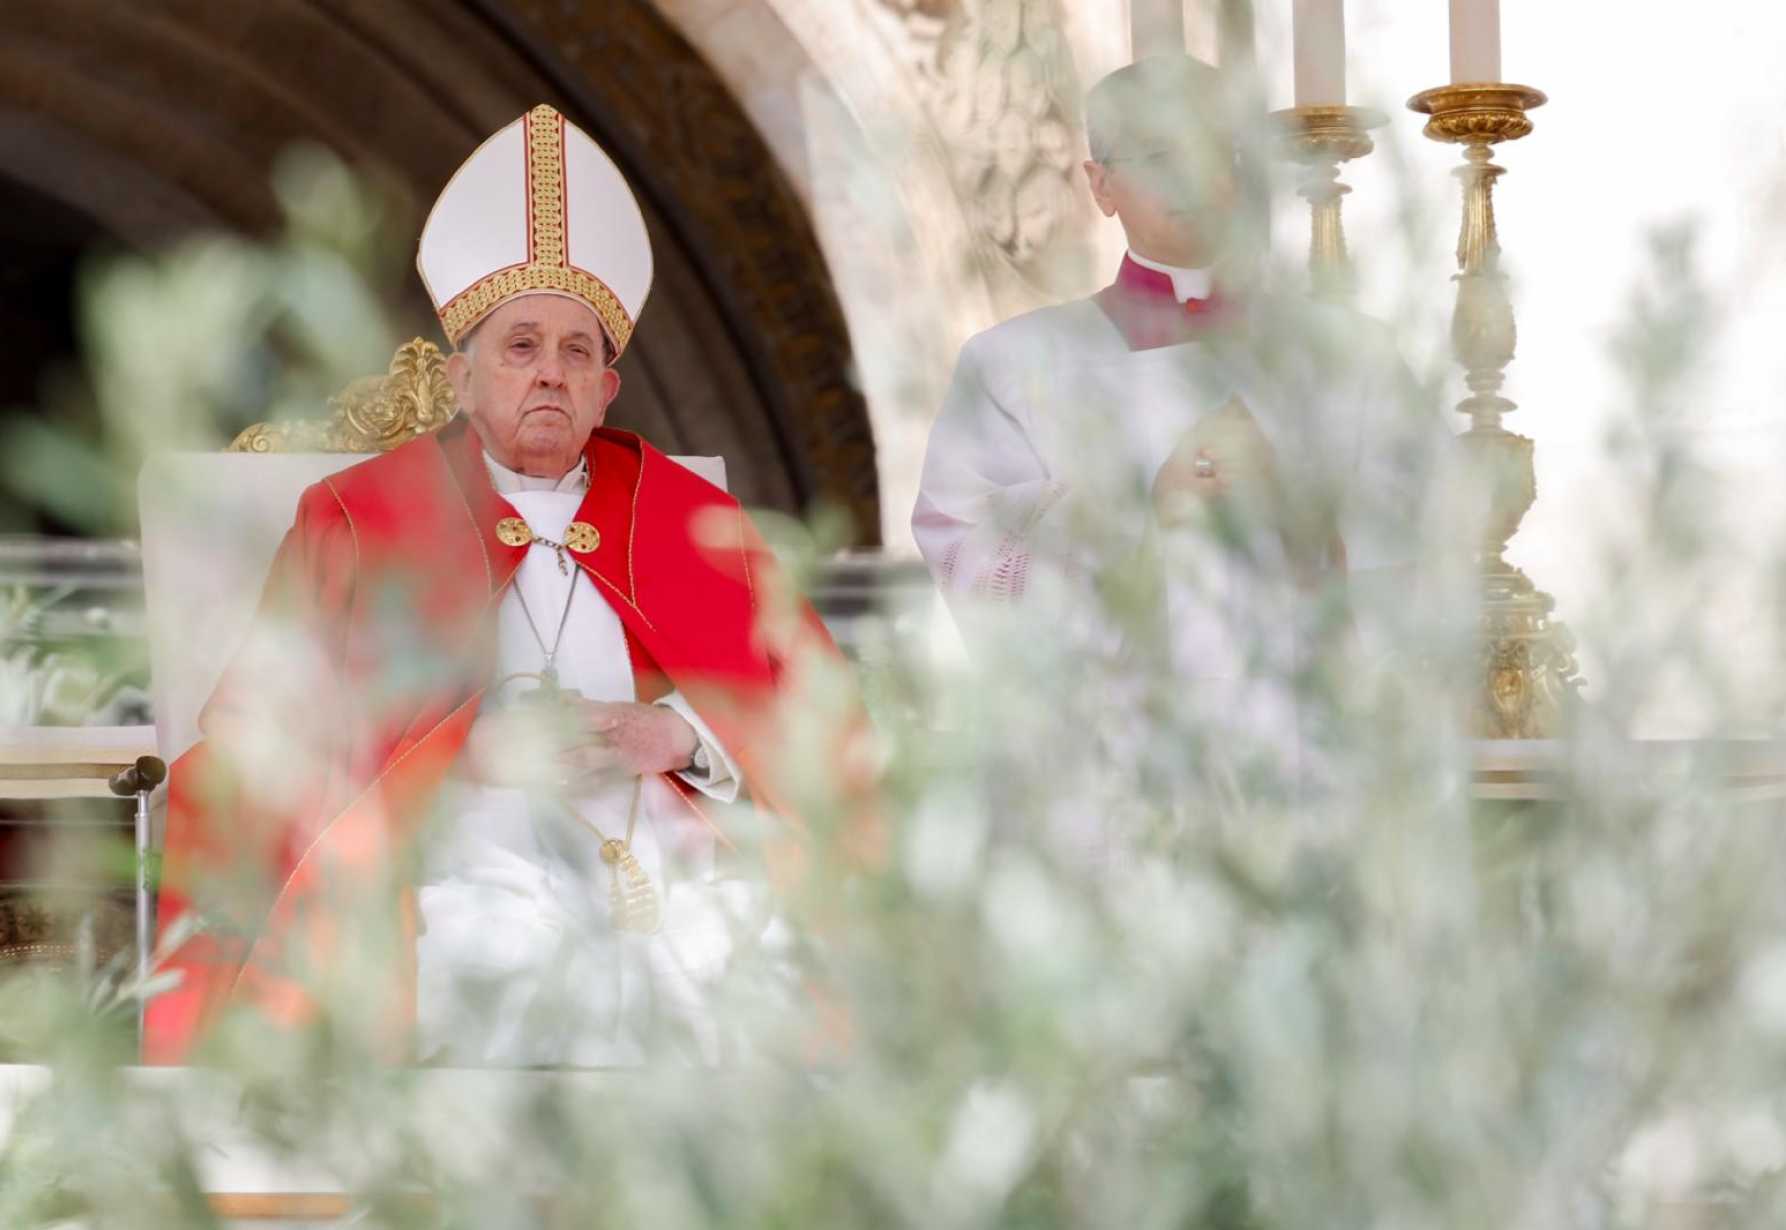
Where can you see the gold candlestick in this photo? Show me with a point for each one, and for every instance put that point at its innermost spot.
(1320, 138)
(1529, 671)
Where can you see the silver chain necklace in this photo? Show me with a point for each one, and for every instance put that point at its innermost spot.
(549, 671)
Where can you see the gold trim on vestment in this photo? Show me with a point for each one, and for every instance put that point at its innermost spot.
(353, 532)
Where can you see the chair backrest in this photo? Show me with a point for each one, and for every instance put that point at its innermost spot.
(210, 525)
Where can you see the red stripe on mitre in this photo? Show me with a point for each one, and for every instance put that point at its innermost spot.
(564, 195)
(526, 180)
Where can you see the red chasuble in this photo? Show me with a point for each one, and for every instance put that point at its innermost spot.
(392, 571)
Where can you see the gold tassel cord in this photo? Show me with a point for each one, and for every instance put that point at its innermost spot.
(631, 897)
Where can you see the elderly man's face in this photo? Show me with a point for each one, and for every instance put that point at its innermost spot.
(533, 378)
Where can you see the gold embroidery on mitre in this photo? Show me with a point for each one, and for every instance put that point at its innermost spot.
(548, 265)
(545, 187)
(481, 298)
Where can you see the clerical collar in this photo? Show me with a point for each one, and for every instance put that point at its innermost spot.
(1186, 283)
(508, 482)
(1147, 308)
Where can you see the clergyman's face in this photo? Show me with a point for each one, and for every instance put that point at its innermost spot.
(534, 380)
(1176, 200)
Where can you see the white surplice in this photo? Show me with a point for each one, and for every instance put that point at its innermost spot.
(517, 962)
(1053, 430)
(1037, 484)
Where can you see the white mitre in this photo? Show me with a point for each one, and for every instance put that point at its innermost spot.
(538, 208)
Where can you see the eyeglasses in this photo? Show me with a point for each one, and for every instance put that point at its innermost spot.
(1175, 162)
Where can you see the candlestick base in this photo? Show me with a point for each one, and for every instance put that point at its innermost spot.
(1320, 138)
(1529, 676)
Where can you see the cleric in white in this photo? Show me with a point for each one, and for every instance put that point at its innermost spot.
(1260, 447)
(1186, 357)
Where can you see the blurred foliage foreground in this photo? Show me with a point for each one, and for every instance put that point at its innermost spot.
(1126, 961)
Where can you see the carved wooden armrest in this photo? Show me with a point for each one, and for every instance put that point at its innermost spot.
(372, 415)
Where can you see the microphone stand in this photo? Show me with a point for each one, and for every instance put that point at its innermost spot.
(140, 780)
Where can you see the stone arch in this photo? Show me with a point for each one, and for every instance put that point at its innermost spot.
(937, 145)
(155, 120)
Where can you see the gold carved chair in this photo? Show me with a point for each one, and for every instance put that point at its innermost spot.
(374, 414)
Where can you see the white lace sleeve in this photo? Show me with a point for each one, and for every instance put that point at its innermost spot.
(984, 492)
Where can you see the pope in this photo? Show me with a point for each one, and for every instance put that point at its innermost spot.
(502, 681)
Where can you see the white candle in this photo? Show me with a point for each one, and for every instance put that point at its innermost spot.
(1156, 27)
(1236, 38)
(1320, 36)
(1475, 41)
